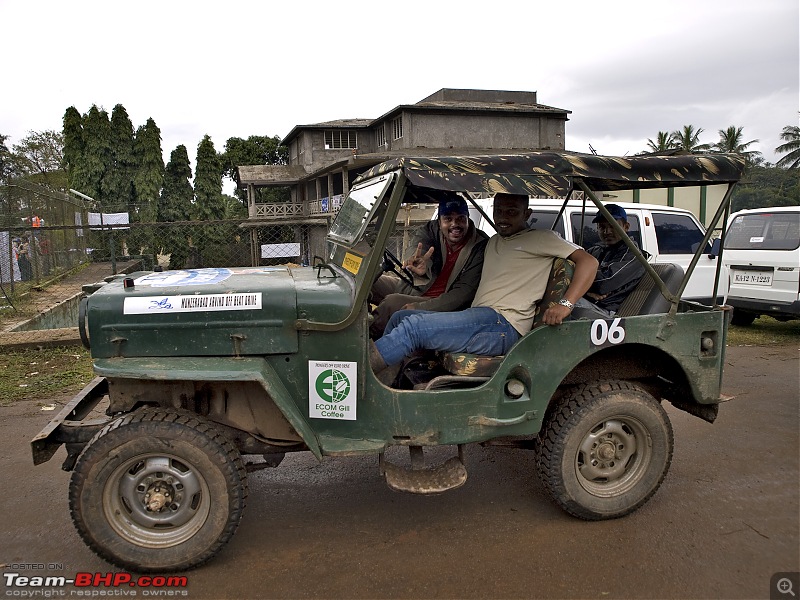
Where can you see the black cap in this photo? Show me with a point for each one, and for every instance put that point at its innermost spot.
(616, 211)
(453, 206)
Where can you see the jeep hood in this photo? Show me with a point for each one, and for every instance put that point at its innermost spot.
(210, 312)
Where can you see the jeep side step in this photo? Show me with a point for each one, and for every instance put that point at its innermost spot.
(419, 479)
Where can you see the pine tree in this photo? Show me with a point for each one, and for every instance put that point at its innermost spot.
(177, 194)
(148, 178)
(96, 157)
(208, 182)
(73, 143)
(149, 173)
(176, 205)
(210, 205)
(119, 179)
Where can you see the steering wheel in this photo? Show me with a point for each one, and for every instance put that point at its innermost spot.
(393, 264)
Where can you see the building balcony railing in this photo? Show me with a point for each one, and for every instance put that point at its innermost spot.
(326, 206)
(277, 209)
(323, 206)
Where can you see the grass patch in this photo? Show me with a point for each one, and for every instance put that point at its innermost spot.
(38, 374)
(765, 331)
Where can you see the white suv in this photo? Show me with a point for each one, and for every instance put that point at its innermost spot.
(762, 252)
(666, 233)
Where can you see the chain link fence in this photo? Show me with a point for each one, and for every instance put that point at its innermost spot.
(52, 244)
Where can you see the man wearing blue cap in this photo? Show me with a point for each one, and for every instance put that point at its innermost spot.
(619, 271)
(446, 264)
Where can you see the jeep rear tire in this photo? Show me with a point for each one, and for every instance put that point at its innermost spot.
(158, 490)
(604, 450)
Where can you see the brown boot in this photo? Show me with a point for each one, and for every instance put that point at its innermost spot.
(383, 373)
(375, 359)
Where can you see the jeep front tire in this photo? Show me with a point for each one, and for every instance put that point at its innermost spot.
(158, 490)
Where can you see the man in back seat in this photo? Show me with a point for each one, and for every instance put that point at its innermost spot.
(619, 271)
(516, 267)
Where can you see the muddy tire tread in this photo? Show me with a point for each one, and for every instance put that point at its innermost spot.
(213, 439)
(553, 435)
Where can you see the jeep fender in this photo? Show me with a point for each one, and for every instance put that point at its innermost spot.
(214, 369)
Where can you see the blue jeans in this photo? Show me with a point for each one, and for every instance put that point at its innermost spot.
(479, 330)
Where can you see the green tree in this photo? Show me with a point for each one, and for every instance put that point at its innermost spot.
(767, 186)
(7, 160)
(791, 147)
(41, 151)
(664, 141)
(212, 240)
(730, 140)
(73, 143)
(95, 159)
(688, 139)
(175, 204)
(38, 158)
(8, 204)
(148, 178)
(89, 171)
(209, 204)
(149, 170)
(255, 150)
(119, 178)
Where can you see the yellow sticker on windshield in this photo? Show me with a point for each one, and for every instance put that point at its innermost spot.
(352, 263)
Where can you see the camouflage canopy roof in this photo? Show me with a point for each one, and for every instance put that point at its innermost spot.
(551, 173)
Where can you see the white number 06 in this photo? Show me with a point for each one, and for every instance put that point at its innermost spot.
(602, 332)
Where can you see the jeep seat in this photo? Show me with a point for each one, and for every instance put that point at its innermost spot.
(474, 365)
(646, 298)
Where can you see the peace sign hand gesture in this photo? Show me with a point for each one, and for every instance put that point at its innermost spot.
(418, 263)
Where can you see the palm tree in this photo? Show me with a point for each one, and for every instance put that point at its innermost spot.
(688, 139)
(730, 140)
(791, 134)
(664, 141)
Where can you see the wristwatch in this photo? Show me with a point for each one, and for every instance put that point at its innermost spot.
(567, 303)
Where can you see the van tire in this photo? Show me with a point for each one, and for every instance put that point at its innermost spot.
(158, 490)
(604, 450)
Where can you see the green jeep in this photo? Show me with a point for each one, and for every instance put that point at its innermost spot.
(200, 367)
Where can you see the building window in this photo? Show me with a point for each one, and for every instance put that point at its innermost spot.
(397, 128)
(340, 138)
(380, 136)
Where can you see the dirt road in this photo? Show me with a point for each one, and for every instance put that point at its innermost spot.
(724, 521)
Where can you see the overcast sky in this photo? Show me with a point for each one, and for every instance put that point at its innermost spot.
(626, 69)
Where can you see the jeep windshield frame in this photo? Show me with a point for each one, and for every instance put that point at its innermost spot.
(358, 210)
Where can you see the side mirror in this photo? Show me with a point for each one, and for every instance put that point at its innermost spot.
(716, 246)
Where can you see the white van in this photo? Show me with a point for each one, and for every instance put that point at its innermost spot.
(762, 252)
(668, 234)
